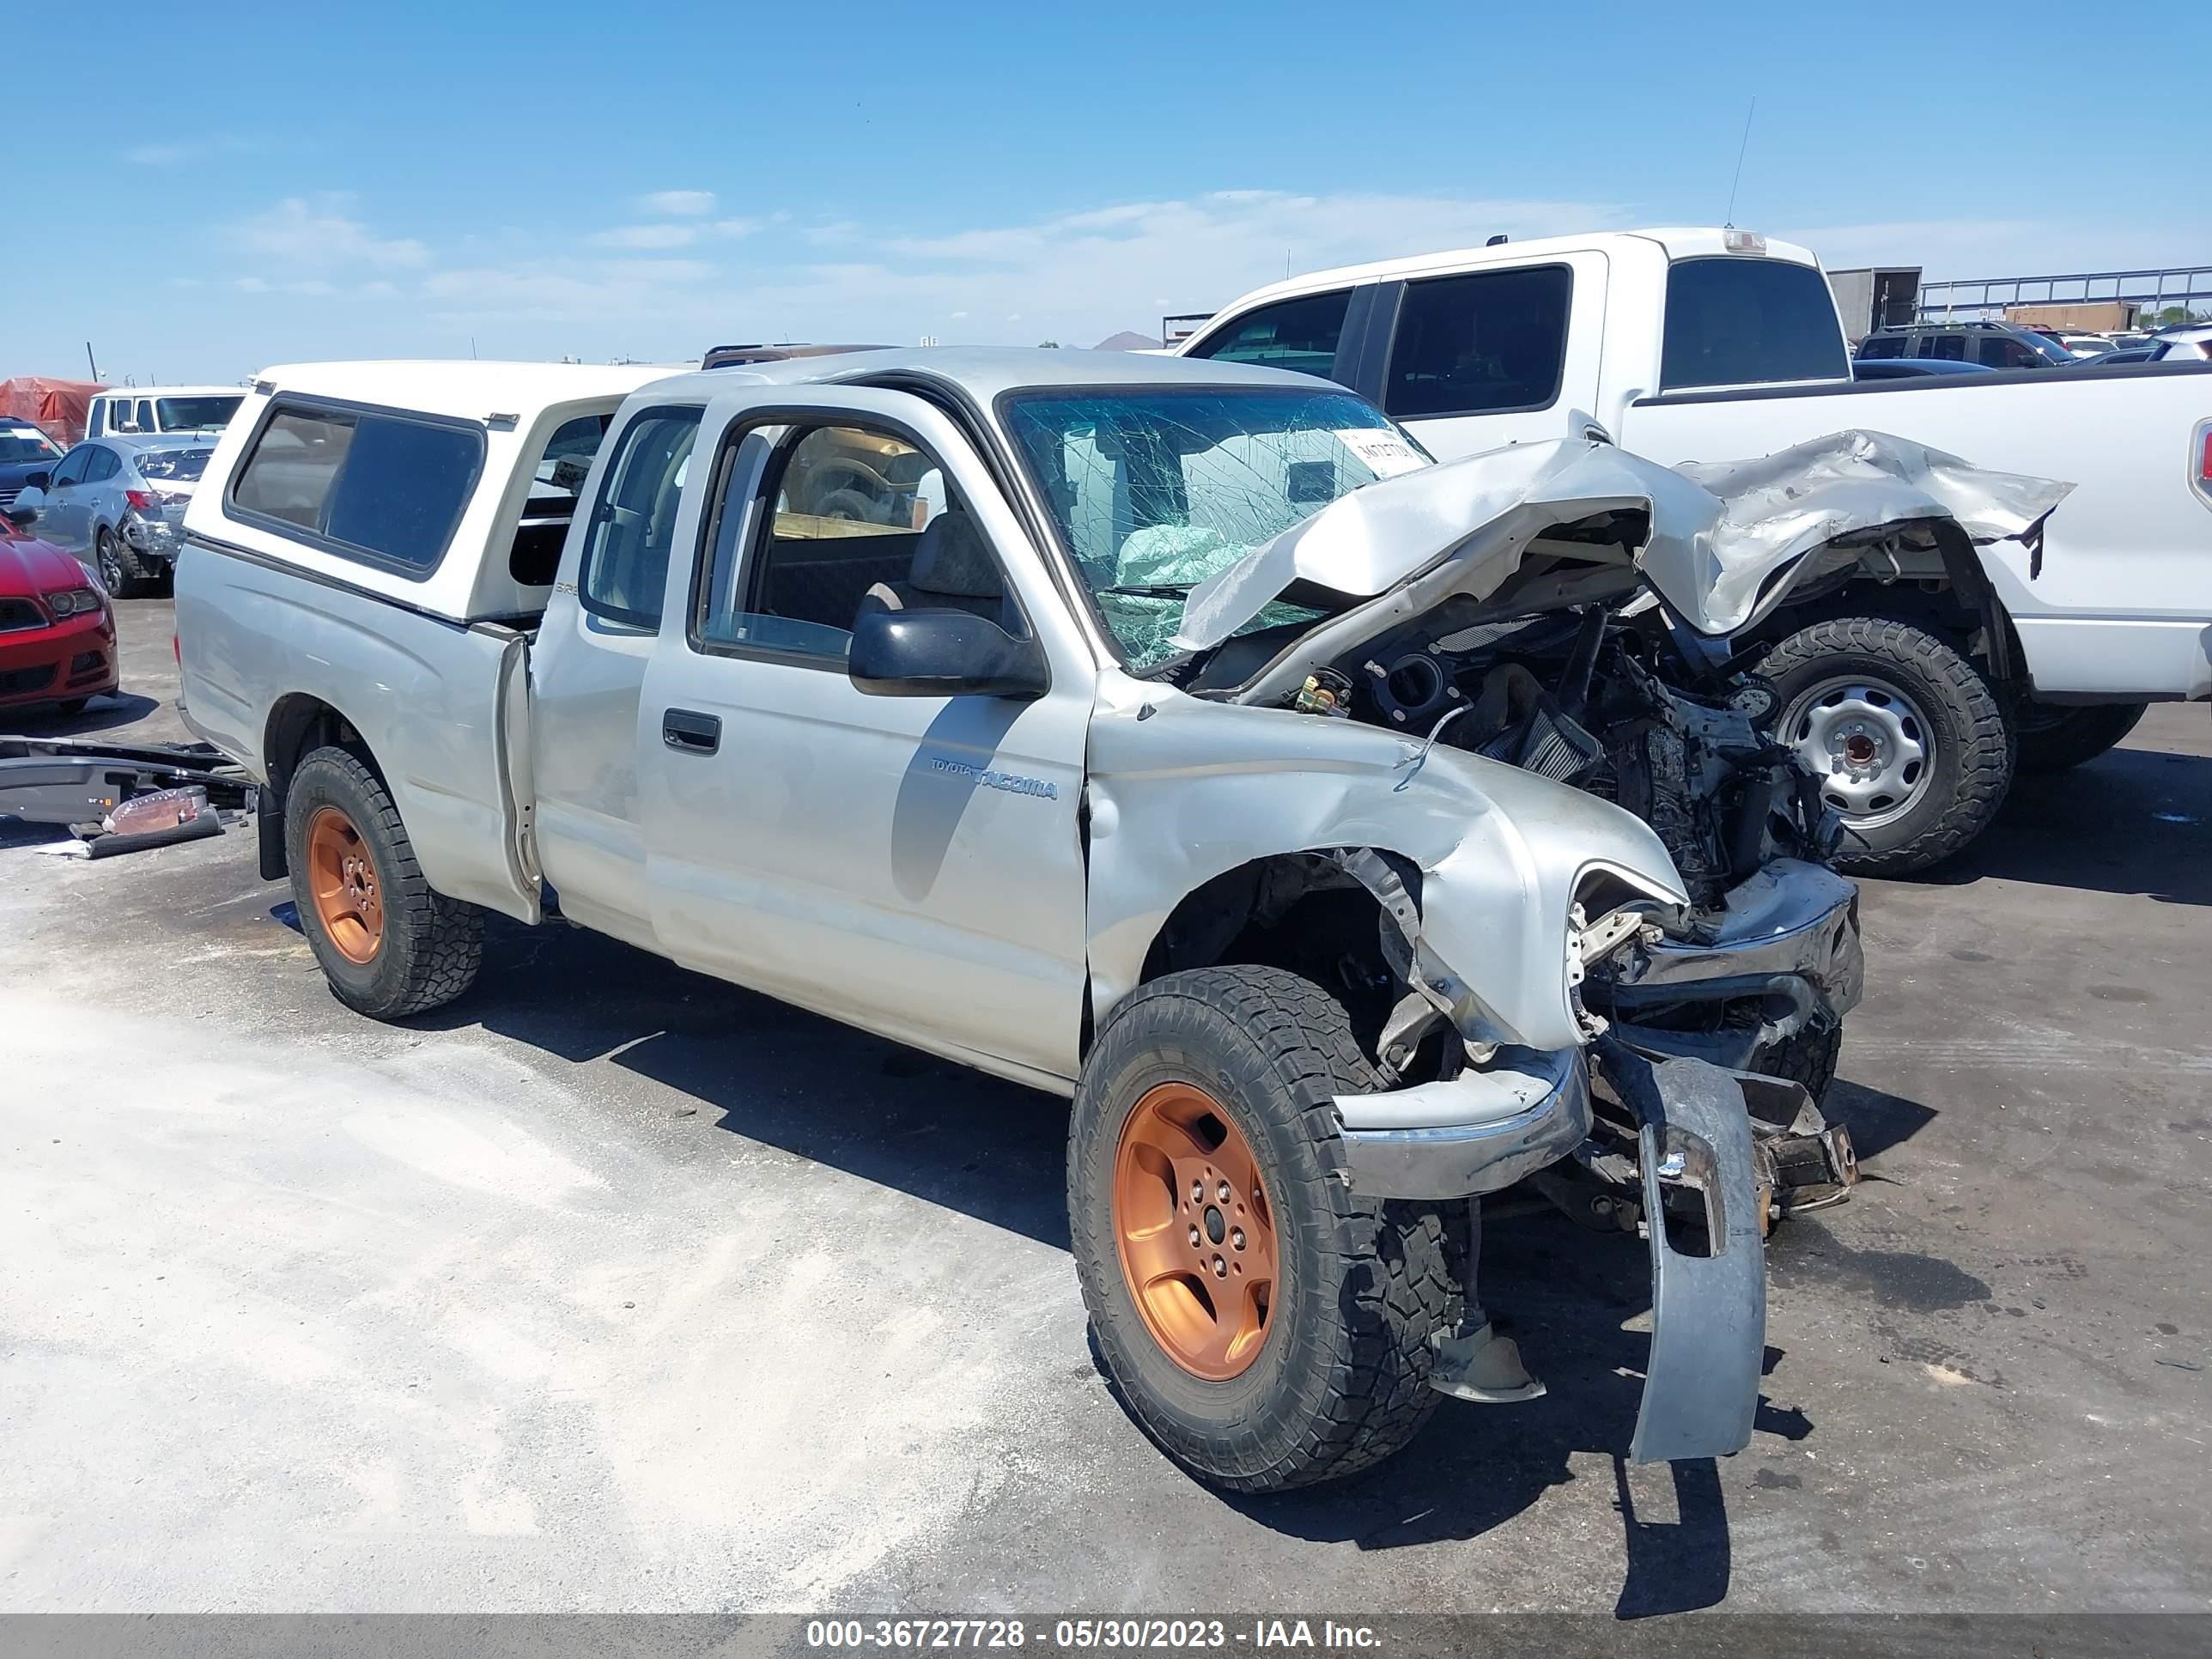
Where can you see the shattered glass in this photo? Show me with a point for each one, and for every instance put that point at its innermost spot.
(1155, 492)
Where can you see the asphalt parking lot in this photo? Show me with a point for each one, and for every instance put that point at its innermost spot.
(611, 1288)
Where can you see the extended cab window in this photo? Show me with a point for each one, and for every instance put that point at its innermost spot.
(1299, 334)
(1739, 320)
(534, 556)
(386, 489)
(625, 568)
(1479, 343)
(1883, 345)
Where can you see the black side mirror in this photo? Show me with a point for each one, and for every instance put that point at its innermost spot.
(42, 479)
(942, 653)
(22, 517)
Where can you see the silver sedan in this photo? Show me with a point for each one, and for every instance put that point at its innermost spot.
(119, 505)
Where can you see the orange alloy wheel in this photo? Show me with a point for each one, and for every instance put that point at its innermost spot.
(343, 879)
(1195, 1232)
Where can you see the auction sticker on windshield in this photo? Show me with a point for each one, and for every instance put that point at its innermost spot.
(1386, 453)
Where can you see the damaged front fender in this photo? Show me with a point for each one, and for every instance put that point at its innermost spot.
(1181, 791)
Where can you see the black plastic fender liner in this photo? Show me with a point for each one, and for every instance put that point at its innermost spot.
(1708, 1313)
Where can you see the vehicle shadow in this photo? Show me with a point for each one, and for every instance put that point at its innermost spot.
(1567, 1293)
(1877, 1119)
(106, 713)
(2137, 820)
(775, 1074)
(18, 832)
(993, 1151)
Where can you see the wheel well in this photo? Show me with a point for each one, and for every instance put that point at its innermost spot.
(1930, 607)
(298, 726)
(1307, 913)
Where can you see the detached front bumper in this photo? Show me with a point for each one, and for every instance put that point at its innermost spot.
(1487, 1129)
(1783, 956)
(1477, 1132)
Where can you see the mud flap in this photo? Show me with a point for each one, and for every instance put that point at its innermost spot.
(1708, 1313)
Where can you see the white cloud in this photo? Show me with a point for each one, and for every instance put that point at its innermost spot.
(1075, 276)
(320, 235)
(676, 279)
(646, 236)
(678, 204)
(671, 235)
(309, 288)
(566, 290)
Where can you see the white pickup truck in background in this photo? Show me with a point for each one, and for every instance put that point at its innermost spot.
(1699, 345)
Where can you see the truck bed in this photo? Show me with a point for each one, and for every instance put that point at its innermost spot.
(2116, 608)
(267, 650)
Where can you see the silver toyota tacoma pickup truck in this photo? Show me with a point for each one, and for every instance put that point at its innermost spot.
(1174, 737)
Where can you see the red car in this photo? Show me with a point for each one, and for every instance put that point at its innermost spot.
(56, 628)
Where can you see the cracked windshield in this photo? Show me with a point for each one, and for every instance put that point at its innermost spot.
(1153, 493)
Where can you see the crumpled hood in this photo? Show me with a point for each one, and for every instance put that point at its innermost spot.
(1722, 541)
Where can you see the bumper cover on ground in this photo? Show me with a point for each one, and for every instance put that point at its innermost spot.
(1708, 1312)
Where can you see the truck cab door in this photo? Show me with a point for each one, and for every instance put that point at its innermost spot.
(910, 864)
(587, 668)
(1485, 358)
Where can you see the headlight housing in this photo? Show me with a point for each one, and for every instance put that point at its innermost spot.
(73, 601)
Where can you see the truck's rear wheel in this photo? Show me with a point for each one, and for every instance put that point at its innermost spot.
(1280, 1334)
(1909, 740)
(2053, 738)
(389, 946)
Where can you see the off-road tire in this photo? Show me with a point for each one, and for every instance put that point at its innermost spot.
(2053, 738)
(1972, 754)
(1808, 1058)
(112, 555)
(1341, 1381)
(431, 945)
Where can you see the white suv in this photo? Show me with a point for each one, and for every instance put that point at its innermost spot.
(152, 410)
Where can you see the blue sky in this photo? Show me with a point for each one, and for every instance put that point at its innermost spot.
(234, 186)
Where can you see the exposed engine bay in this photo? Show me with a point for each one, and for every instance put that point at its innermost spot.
(1577, 698)
(1589, 698)
(1566, 610)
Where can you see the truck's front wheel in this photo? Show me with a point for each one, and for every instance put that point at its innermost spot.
(1908, 739)
(388, 945)
(1266, 1325)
